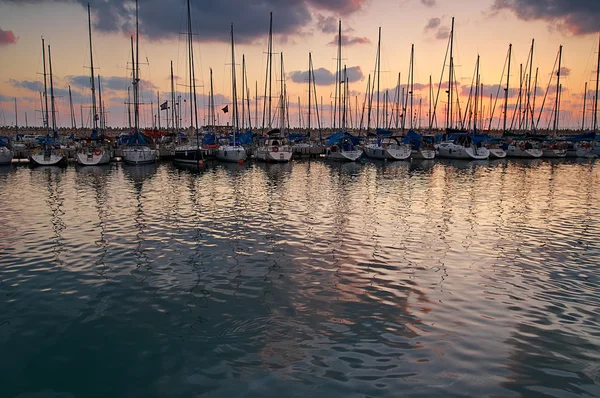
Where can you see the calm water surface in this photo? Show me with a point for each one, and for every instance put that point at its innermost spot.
(300, 280)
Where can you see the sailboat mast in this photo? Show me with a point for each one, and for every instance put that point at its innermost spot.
(595, 124)
(100, 103)
(584, 98)
(47, 121)
(193, 102)
(243, 91)
(378, 76)
(533, 126)
(282, 96)
(309, 87)
(211, 103)
(95, 123)
(71, 108)
(507, 87)
(16, 117)
(412, 84)
(557, 102)
(430, 119)
(269, 82)
(529, 85)
(450, 76)
(128, 106)
(234, 115)
(476, 96)
(338, 71)
(136, 89)
(51, 91)
(173, 107)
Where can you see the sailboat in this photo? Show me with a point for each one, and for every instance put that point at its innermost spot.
(342, 145)
(6, 153)
(458, 144)
(95, 153)
(275, 147)
(48, 154)
(191, 154)
(232, 151)
(385, 146)
(137, 150)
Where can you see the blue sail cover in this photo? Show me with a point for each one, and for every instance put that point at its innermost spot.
(209, 139)
(245, 138)
(136, 139)
(340, 137)
(4, 141)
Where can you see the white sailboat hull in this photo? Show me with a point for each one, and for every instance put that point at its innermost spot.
(581, 152)
(270, 154)
(450, 150)
(49, 157)
(346, 156)
(395, 152)
(6, 155)
(554, 153)
(514, 151)
(423, 154)
(93, 157)
(497, 153)
(230, 153)
(139, 155)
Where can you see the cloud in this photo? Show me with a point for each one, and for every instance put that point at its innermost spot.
(26, 84)
(428, 3)
(327, 24)
(7, 37)
(324, 77)
(349, 40)
(432, 23)
(116, 83)
(564, 71)
(165, 19)
(577, 17)
(443, 33)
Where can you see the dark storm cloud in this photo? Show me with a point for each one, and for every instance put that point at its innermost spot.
(577, 16)
(324, 77)
(165, 19)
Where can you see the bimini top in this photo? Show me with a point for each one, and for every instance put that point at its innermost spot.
(341, 137)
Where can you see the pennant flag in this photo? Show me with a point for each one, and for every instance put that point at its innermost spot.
(226, 109)
(164, 106)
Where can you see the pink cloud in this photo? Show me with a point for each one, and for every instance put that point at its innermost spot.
(7, 37)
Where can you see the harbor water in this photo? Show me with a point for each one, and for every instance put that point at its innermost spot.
(305, 279)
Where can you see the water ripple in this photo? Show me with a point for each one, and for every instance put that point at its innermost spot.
(306, 279)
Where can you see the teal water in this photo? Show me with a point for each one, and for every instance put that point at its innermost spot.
(308, 279)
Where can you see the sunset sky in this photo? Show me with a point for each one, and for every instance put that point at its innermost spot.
(484, 27)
